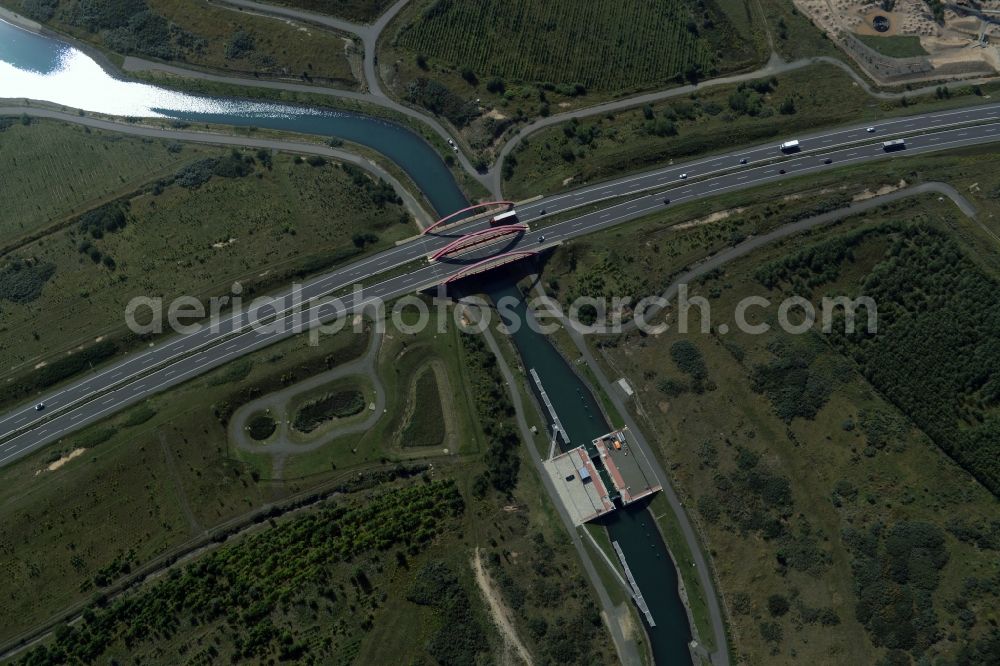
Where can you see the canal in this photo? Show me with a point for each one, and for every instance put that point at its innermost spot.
(633, 527)
(40, 67)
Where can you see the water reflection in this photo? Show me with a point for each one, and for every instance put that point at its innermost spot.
(35, 67)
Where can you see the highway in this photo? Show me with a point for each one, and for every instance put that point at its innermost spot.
(171, 361)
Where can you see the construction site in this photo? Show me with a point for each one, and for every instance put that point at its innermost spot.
(899, 41)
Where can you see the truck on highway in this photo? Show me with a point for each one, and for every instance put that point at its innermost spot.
(789, 146)
(895, 144)
(507, 217)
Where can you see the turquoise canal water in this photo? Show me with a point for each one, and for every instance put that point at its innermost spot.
(43, 68)
(632, 527)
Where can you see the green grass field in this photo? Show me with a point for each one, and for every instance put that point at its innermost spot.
(200, 33)
(562, 42)
(716, 119)
(896, 46)
(264, 229)
(53, 171)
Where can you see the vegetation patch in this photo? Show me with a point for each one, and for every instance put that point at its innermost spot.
(896, 569)
(895, 46)
(138, 416)
(261, 426)
(495, 413)
(60, 369)
(22, 280)
(459, 637)
(930, 296)
(426, 426)
(795, 387)
(199, 33)
(241, 586)
(338, 405)
(601, 44)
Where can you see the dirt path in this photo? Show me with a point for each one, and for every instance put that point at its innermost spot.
(499, 611)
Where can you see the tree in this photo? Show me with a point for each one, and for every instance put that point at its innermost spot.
(777, 605)
(771, 632)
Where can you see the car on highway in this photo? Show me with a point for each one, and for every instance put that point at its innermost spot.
(781, 171)
(743, 161)
(40, 406)
(666, 201)
(683, 176)
(870, 130)
(541, 239)
(541, 212)
(827, 161)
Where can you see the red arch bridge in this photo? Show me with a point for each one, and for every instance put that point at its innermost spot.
(477, 239)
(447, 218)
(490, 264)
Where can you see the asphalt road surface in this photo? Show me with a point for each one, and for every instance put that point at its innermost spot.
(172, 361)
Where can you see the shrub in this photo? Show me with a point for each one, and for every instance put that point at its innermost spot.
(22, 281)
(777, 605)
(240, 45)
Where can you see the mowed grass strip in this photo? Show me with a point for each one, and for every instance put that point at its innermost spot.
(361, 11)
(426, 426)
(51, 170)
(601, 44)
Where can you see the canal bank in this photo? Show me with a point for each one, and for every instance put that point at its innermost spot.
(632, 526)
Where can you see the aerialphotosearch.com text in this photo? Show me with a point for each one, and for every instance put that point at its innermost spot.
(652, 315)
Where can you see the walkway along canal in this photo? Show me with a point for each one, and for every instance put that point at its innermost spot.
(633, 526)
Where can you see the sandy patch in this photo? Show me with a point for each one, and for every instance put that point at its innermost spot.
(500, 613)
(75, 453)
(495, 115)
(626, 623)
(718, 216)
(219, 246)
(883, 190)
